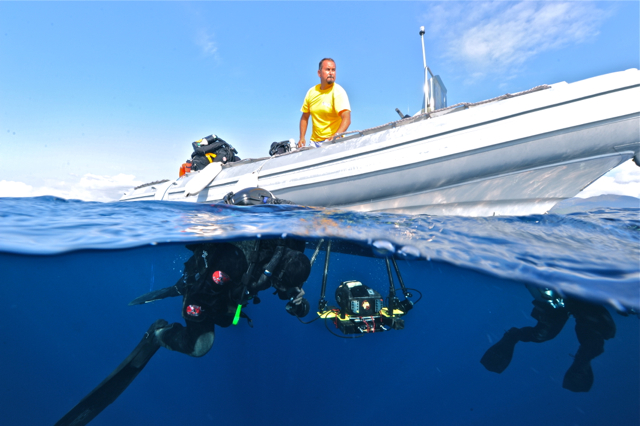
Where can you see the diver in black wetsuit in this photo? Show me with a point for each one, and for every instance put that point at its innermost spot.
(219, 280)
(594, 325)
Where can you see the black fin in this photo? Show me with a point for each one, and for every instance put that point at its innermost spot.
(579, 377)
(498, 357)
(152, 296)
(111, 387)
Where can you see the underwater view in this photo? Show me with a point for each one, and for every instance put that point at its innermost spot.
(401, 319)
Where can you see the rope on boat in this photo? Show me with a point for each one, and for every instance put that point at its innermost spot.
(151, 183)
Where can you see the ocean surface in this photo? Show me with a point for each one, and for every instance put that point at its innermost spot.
(68, 270)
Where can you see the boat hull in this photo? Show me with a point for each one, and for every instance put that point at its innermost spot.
(514, 156)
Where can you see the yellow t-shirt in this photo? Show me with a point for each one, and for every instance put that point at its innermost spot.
(325, 107)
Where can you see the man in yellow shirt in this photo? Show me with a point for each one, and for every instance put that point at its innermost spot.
(328, 105)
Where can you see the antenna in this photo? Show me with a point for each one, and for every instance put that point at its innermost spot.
(426, 106)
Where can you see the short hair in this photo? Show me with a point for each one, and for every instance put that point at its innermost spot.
(324, 59)
(294, 269)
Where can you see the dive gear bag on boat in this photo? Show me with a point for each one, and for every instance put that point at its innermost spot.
(279, 148)
(212, 149)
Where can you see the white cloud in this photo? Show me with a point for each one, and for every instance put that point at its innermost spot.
(207, 43)
(623, 180)
(15, 189)
(89, 187)
(498, 37)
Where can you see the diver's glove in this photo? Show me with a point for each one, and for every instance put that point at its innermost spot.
(298, 310)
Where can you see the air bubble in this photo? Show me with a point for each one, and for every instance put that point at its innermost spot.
(383, 248)
(617, 305)
(409, 252)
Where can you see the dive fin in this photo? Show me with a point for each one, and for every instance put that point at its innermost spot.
(579, 377)
(111, 387)
(498, 357)
(152, 296)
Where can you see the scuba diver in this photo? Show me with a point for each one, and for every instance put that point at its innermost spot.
(219, 280)
(594, 325)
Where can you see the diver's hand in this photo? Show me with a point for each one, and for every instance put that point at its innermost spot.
(298, 299)
(302, 143)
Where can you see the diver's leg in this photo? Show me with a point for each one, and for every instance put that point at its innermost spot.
(195, 339)
(111, 387)
(550, 323)
(594, 325)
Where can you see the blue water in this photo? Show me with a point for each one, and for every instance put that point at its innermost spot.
(69, 269)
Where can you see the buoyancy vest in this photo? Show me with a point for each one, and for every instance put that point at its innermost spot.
(253, 266)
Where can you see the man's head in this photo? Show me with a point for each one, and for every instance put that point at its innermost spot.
(291, 273)
(327, 72)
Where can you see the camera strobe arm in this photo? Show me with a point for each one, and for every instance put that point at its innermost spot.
(322, 304)
(393, 299)
(406, 304)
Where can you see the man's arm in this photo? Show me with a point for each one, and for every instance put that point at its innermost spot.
(298, 298)
(344, 124)
(304, 123)
(298, 306)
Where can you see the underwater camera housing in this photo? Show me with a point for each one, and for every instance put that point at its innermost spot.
(362, 310)
(355, 298)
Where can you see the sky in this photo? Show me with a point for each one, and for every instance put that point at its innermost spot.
(98, 97)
